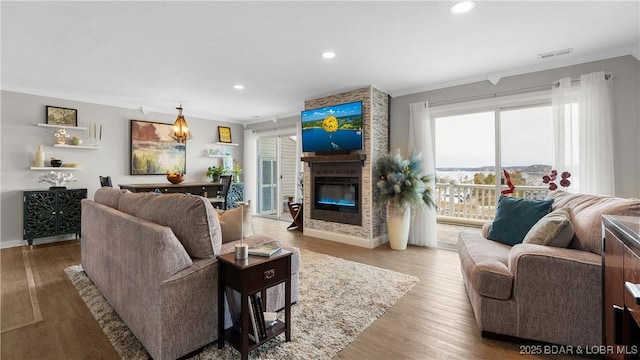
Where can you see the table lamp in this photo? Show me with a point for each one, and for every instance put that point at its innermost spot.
(242, 249)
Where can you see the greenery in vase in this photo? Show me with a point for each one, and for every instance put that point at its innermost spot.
(236, 170)
(215, 171)
(401, 182)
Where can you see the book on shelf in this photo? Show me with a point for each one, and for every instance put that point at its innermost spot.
(254, 333)
(267, 249)
(234, 305)
(257, 298)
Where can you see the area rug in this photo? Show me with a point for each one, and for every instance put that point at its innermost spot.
(338, 300)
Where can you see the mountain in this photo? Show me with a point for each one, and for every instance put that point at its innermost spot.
(536, 168)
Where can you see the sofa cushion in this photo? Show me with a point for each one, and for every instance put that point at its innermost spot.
(586, 215)
(485, 265)
(554, 229)
(109, 196)
(514, 217)
(234, 222)
(192, 219)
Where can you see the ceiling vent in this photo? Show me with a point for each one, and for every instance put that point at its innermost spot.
(554, 54)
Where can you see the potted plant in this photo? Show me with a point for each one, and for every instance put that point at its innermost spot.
(401, 185)
(236, 170)
(214, 172)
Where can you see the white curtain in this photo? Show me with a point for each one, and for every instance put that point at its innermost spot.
(564, 101)
(583, 143)
(249, 167)
(596, 135)
(421, 130)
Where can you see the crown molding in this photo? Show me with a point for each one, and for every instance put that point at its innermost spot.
(495, 77)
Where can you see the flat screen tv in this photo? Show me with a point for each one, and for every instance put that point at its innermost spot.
(336, 128)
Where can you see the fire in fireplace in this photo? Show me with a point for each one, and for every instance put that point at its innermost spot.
(337, 194)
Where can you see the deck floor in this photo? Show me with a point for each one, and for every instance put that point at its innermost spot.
(448, 233)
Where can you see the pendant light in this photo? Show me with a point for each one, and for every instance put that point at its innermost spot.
(180, 131)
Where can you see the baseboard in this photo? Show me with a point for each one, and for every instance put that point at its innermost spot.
(12, 243)
(40, 241)
(341, 238)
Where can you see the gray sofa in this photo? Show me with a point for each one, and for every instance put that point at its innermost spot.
(539, 292)
(153, 257)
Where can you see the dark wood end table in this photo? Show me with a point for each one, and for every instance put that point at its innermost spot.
(252, 275)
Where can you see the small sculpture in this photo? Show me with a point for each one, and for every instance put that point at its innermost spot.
(57, 179)
(61, 136)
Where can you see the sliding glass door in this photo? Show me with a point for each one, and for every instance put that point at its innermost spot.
(475, 149)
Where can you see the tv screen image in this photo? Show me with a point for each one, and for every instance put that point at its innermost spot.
(332, 128)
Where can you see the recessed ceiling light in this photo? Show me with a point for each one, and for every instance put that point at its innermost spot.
(462, 7)
(238, 86)
(328, 54)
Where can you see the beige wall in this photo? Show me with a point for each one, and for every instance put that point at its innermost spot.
(20, 135)
(626, 89)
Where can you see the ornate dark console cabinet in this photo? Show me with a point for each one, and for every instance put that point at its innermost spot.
(51, 212)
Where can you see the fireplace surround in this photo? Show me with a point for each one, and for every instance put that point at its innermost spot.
(368, 228)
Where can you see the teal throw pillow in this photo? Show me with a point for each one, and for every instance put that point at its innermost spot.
(515, 217)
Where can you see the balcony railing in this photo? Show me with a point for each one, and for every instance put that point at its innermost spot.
(475, 204)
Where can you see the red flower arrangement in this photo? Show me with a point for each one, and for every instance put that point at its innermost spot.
(551, 179)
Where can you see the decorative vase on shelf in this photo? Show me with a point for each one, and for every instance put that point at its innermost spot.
(39, 158)
(398, 224)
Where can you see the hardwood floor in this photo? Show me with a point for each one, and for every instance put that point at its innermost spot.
(433, 321)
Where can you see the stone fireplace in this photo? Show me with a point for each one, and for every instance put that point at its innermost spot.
(336, 192)
(339, 190)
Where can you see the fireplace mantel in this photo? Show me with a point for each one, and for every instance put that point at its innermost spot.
(335, 158)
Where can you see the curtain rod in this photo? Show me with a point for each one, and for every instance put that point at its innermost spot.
(504, 93)
(607, 76)
(489, 96)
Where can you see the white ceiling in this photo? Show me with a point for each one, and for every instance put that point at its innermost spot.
(158, 54)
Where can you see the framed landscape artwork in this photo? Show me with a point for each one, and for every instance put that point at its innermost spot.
(225, 134)
(61, 116)
(153, 152)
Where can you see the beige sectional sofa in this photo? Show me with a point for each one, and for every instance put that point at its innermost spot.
(540, 292)
(153, 257)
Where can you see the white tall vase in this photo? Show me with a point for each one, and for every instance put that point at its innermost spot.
(39, 157)
(398, 223)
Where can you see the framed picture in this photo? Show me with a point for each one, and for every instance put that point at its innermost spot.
(153, 152)
(61, 116)
(227, 163)
(225, 134)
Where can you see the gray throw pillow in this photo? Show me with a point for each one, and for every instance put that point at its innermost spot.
(554, 229)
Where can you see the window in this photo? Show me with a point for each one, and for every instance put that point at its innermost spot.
(474, 147)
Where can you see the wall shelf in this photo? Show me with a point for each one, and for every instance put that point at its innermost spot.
(59, 168)
(227, 144)
(220, 156)
(62, 127)
(76, 146)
